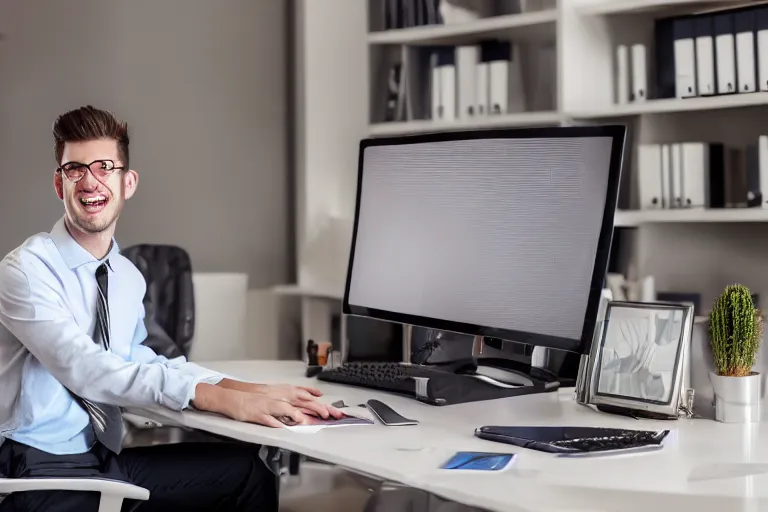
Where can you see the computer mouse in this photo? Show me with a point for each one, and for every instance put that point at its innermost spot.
(505, 376)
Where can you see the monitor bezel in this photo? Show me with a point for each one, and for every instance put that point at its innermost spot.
(618, 135)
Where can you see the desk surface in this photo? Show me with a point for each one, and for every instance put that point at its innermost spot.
(706, 466)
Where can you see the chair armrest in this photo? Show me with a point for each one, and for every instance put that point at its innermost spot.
(113, 492)
(140, 421)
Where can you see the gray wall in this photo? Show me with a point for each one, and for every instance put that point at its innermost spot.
(203, 86)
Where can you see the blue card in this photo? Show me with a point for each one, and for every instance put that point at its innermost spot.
(479, 461)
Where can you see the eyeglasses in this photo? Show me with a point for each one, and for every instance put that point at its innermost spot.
(100, 169)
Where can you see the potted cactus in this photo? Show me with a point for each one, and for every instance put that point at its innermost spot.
(735, 333)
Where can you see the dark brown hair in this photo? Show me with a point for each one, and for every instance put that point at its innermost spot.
(90, 123)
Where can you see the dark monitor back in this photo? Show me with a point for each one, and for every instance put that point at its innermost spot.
(371, 340)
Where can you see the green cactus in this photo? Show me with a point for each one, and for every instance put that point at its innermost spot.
(735, 331)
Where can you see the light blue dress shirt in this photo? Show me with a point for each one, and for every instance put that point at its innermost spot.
(48, 296)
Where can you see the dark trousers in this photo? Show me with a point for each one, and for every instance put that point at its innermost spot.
(186, 476)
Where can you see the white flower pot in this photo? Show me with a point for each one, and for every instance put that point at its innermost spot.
(737, 399)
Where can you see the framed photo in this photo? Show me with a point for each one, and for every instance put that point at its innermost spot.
(639, 361)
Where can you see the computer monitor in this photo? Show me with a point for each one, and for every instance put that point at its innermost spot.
(499, 233)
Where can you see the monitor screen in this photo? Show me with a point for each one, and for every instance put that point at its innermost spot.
(504, 234)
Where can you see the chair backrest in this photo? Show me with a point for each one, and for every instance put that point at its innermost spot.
(170, 300)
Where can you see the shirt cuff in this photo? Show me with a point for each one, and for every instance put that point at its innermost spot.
(198, 375)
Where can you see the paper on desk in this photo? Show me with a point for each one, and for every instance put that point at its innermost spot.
(317, 424)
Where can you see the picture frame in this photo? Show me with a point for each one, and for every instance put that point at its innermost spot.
(639, 360)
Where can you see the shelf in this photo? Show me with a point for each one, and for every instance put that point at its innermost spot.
(635, 6)
(631, 218)
(676, 105)
(527, 25)
(295, 290)
(495, 121)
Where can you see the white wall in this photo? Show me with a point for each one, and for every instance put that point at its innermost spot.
(203, 86)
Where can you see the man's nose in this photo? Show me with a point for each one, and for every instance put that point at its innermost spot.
(88, 181)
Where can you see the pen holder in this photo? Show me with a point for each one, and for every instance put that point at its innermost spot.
(737, 399)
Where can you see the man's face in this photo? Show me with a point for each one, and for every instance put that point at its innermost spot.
(94, 202)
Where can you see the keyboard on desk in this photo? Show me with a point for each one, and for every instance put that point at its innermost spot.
(432, 385)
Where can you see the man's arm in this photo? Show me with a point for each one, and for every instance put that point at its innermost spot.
(202, 395)
(32, 309)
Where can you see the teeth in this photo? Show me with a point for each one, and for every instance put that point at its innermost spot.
(91, 200)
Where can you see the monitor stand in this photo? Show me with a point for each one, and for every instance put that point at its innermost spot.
(503, 364)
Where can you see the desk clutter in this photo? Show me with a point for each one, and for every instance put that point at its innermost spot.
(703, 175)
(705, 54)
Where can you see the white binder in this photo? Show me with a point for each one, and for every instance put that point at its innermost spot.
(666, 175)
(466, 62)
(639, 73)
(762, 48)
(695, 174)
(649, 176)
(685, 59)
(705, 56)
(481, 89)
(622, 74)
(677, 176)
(448, 91)
(725, 54)
(746, 64)
(762, 150)
(436, 83)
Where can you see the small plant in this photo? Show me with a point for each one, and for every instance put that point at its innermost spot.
(735, 331)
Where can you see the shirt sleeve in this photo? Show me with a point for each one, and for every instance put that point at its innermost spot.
(33, 310)
(143, 354)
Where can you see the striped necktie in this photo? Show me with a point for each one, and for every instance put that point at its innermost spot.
(106, 419)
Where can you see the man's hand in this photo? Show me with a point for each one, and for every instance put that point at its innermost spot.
(273, 406)
(305, 398)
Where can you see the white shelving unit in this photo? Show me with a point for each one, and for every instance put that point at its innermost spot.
(505, 120)
(528, 26)
(341, 48)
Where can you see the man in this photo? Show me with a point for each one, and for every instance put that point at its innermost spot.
(71, 353)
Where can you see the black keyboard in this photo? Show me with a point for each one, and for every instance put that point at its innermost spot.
(396, 377)
(434, 385)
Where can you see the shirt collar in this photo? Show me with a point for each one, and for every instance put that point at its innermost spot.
(73, 253)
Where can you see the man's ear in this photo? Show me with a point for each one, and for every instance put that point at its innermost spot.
(58, 186)
(130, 182)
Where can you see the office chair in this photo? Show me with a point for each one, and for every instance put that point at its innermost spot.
(113, 492)
(169, 307)
(169, 302)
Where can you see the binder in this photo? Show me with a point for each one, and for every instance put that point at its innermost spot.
(715, 181)
(725, 54)
(666, 176)
(762, 46)
(705, 55)
(446, 74)
(762, 155)
(677, 175)
(754, 196)
(481, 89)
(639, 73)
(649, 176)
(498, 56)
(695, 160)
(685, 58)
(745, 22)
(735, 178)
(664, 56)
(466, 64)
(436, 93)
(622, 74)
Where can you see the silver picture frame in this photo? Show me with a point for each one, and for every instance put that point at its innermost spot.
(640, 357)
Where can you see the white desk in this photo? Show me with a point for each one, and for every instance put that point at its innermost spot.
(692, 473)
